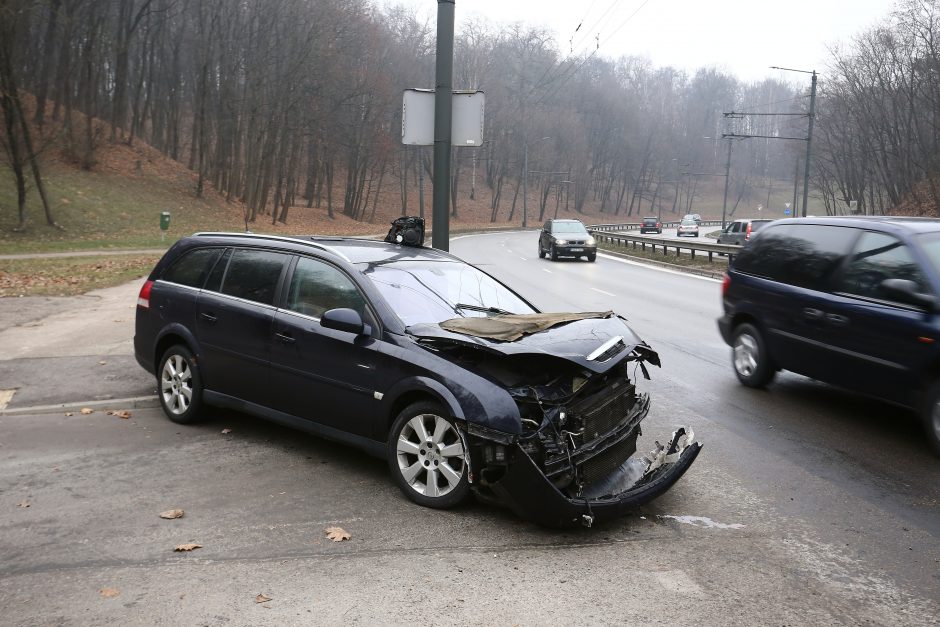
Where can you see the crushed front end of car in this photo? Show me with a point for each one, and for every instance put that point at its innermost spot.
(575, 458)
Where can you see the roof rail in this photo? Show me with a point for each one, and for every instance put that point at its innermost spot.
(295, 240)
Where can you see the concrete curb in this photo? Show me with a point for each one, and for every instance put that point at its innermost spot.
(137, 402)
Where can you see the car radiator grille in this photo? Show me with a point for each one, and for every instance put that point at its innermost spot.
(601, 465)
(605, 410)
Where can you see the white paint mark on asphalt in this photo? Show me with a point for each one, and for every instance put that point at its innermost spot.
(702, 521)
(603, 292)
(523, 258)
(544, 270)
(658, 269)
(5, 397)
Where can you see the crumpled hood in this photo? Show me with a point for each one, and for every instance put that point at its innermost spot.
(579, 342)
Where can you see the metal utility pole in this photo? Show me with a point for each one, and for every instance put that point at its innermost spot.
(724, 204)
(443, 112)
(809, 141)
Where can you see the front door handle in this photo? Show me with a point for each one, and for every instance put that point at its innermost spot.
(287, 338)
(208, 317)
(837, 319)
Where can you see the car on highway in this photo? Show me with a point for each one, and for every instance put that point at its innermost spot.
(651, 224)
(566, 238)
(739, 231)
(414, 356)
(850, 301)
(694, 216)
(688, 226)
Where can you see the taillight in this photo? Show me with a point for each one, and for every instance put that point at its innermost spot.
(143, 299)
(725, 284)
(747, 235)
(658, 225)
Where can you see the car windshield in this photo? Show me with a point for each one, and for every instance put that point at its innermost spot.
(434, 291)
(568, 227)
(688, 222)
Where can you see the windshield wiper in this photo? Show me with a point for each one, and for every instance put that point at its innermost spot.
(495, 310)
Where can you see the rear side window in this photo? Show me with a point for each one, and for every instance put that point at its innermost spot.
(191, 269)
(253, 275)
(876, 257)
(756, 226)
(805, 255)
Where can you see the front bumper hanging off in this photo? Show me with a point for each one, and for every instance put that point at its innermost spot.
(526, 490)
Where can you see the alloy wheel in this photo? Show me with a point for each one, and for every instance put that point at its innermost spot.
(176, 384)
(746, 355)
(431, 457)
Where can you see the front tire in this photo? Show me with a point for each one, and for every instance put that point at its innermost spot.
(179, 385)
(541, 252)
(592, 258)
(930, 415)
(427, 458)
(554, 253)
(749, 356)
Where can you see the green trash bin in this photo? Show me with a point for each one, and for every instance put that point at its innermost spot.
(165, 221)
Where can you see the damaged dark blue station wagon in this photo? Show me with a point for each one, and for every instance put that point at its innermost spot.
(414, 356)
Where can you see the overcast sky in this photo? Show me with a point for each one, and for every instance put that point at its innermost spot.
(743, 37)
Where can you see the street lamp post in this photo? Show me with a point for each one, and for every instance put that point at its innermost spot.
(809, 134)
(525, 180)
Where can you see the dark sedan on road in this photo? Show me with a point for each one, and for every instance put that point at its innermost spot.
(651, 225)
(414, 356)
(566, 238)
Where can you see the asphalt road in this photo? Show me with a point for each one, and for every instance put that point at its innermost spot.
(806, 506)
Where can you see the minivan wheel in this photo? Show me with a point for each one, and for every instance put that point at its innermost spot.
(750, 358)
(179, 385)
(427, 457)
(554, 253)
(931, 417)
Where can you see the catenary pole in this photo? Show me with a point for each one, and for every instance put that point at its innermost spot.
(443, 113)
(809, 142)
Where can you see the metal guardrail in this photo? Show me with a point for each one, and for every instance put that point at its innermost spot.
(633, 226)
(728, 250)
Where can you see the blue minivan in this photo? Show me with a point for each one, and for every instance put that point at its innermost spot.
(850, 301)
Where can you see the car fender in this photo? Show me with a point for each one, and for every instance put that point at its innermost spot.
(178, 330)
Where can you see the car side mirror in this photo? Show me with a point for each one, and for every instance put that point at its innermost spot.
(905, 291)
(344, 319)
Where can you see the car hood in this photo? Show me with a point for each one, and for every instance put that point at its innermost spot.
(594, 343)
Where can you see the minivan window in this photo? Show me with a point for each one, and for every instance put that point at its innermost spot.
(317, 287)
(191, 268)
(253, 275)
(805, 255)
(878, 256)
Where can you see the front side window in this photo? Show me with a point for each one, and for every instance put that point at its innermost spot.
(253, 275)
(316, 287)
(878, 256)
(434, 291)
(191, 269)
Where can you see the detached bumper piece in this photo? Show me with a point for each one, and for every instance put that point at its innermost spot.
(526, 490)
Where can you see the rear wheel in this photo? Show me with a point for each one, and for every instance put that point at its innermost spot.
(749, 355)
(180, 385)
(930, 414)
(427, 457)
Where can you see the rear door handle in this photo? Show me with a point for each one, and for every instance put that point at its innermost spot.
(837, 319)
(287, 338)
(209, 317)
(813, 314)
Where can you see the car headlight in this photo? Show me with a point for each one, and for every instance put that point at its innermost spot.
(591, 241)
(561, 242)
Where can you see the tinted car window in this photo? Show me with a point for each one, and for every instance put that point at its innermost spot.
(191, 268)
(930, 245)
(317, 287)
(805, 255)
(649, 221)
(253, 275)
(876, 257)
(735, 227)
(756, 225)
(214, 282)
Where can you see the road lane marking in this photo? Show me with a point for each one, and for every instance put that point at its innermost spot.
(658, 269)
(5, 397)
(524, 258)
(545, 270)
(603, 292)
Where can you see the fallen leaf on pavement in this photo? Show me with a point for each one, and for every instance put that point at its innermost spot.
(262, 599)
(109, 593)
(120, 414)
(224, 431)
(170, 514)
(101, 363)
(68, 413)
(87, 410)
(188, 547)
(337, 534)
(23, 504)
